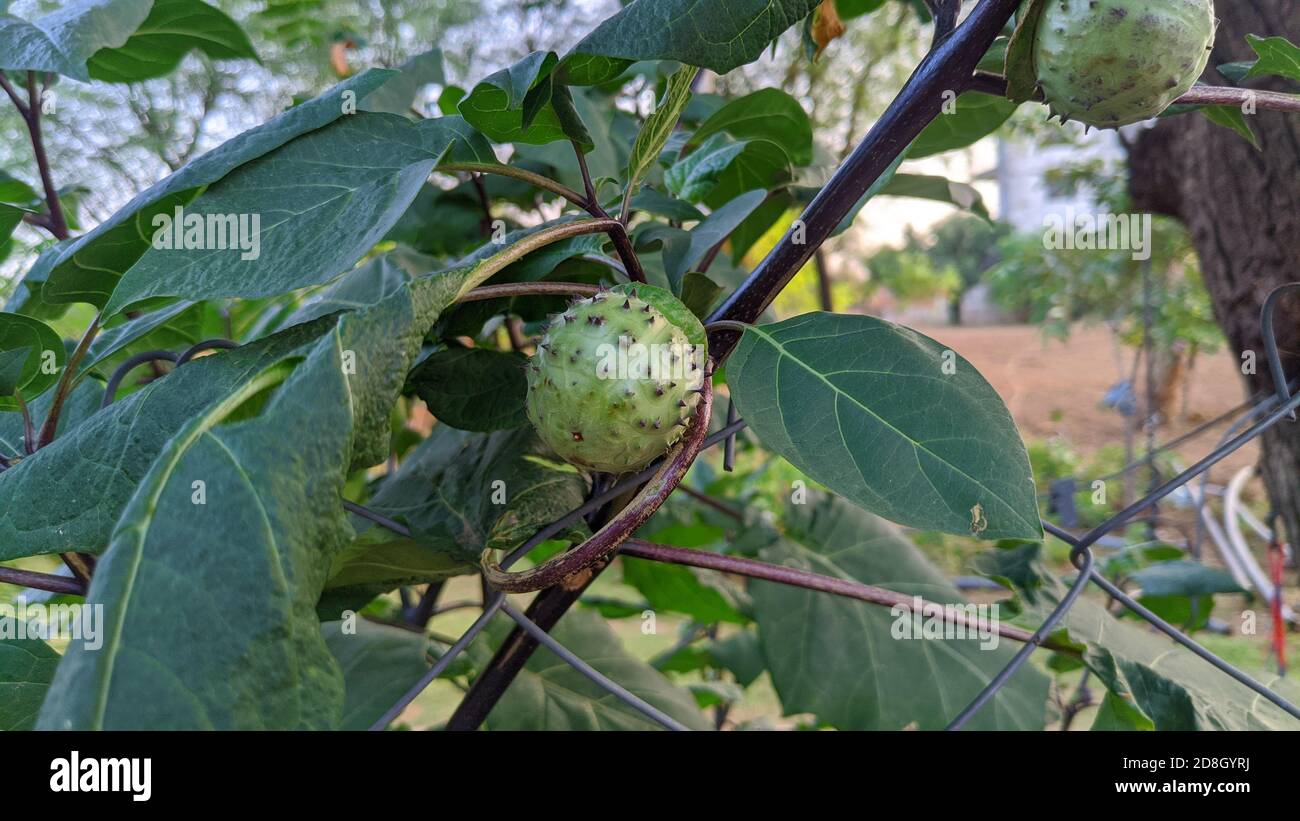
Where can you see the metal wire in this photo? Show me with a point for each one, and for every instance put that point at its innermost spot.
(1270, 341)
(115, 381)
(612, 687)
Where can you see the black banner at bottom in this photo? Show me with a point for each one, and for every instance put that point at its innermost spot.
(217, 770)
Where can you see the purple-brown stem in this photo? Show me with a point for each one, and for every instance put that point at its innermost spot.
(754, 569)
(606, 540)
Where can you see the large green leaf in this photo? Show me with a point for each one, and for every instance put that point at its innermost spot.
(249, 548)
(88, 268)
(172, 29)
(551, 695)
(26, 670)
(43, 361)
(1153, 683)
(890, 419)
(719, 35)
(317, 208)
(62, 41)
(842, 659)
(379, 664)
(69, 495)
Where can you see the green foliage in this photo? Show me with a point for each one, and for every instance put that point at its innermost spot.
(1151, 684)
(960, 467)
(220, 494)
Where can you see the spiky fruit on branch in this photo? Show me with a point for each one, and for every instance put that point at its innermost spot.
(616, 378)
(1109, 63)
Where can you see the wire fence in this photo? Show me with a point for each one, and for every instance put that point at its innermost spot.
(1269, 410)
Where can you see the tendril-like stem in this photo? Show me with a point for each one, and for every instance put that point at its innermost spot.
(622, 526)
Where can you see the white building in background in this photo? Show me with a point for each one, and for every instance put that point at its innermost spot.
(1024, 197)
(1011, 175)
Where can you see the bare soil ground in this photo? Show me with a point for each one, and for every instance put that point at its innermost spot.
(1055, 388)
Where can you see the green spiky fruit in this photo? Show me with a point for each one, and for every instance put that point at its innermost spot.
(1110, 63)
(616, 378)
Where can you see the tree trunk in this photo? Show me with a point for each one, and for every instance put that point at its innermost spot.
(954, 308)
(1242, 207)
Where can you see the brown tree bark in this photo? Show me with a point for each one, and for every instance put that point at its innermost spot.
(1242, 207)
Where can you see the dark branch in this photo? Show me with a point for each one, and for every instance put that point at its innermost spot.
(948, 66)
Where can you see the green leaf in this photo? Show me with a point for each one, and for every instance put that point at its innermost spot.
(1277, 56)
(871, 410)
(446, 492)
(939, 189)
(1021, 72)
(846, 662)
(306, 212)
(768, 114)
(659, 125)
(11, 369)
(699, 293)
(399, 94)
(655, 202)
(1166, 686)
(80, 405)
(473, 388)
(261, 529)
(26, 670)
(173, 29)
(1183, 578)
(88, 268)
(10, 217)
(976, 116)
(741, 654)
(367, 284)
(95, 470)
(695, 175)
(551, 695)
(14, 190)
(703, 595)
(40, 370)
(62, 41)
(719, 35)
(1230, 116)
(524, 104)
(379, 663)
(681, 257)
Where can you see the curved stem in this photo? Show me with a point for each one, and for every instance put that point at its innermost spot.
(754, 569)
(623, 525)
(518, 250)
(510, 289)
(534, 179)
